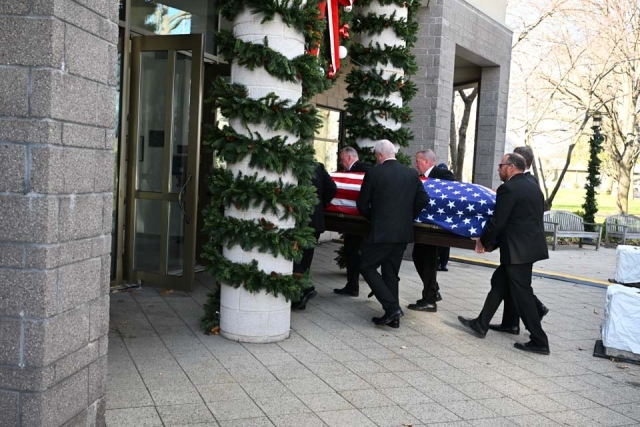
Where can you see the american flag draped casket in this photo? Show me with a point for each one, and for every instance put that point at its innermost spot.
(459, 207)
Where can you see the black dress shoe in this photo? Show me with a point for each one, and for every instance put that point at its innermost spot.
(388, 317)
(347, 291)
(515, 330)
(543, 312)
(393, 324)
(473, 326)
(443, 269)
(438, 297)
(532, 348)
(302, 304)
(423, 307)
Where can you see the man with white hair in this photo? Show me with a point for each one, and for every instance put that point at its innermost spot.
(391, 197)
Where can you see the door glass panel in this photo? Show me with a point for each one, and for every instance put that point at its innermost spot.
(151, 120)
(148, 235)
(180, 133)
(175, 242)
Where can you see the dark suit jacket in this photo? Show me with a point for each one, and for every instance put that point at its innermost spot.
(391, 197)
(359, 166)
(325, 190)
(532, 177)
(517, 222)
(442, 173)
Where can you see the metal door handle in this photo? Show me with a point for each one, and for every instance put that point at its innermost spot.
(184, 187)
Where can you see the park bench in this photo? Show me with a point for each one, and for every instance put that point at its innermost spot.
(567, 224)
(622, 226)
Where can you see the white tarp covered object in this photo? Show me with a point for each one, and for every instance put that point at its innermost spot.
(621, 326)
(627, 264)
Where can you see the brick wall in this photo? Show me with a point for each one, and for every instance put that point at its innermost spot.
(57, 115)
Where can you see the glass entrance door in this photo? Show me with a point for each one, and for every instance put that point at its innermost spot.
(164, 152)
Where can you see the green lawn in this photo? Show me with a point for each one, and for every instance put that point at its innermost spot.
(572, 199)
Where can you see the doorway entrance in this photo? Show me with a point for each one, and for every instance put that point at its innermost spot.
(163, 160)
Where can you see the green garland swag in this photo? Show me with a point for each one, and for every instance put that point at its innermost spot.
(250, 191)
(375, 108)
(398, 56)
(273, 154)
(369, 82)
(376, 24)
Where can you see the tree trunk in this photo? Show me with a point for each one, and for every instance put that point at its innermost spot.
(464, 125)
(624, 183)
(549, 201)
(453, 140)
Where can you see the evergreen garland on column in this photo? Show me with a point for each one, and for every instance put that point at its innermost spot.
(590, 205)
(277, 154)
(380, 88)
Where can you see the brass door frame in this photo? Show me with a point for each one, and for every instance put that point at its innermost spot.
(172, 44)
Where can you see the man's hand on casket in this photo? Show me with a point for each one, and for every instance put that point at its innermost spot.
(479, 246)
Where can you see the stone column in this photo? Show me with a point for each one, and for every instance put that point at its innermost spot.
(57, 115)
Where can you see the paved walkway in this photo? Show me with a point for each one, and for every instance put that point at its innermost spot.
(338, 369)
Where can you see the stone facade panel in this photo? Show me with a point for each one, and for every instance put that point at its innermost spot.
(62, 96)
(56, 337)
(29, 292)
(12, 165)
(82, 136)
(103, 171)
(98, 379)
(17, 378)
(9, 342)
(37, 132)
(14, 99)
(12, 255)
(77, 361)
(99, 317)
(57, 405)
(80, 216)
(56, 255)
(87, 55)
(14, 7)
(72, 283)
(31, 42)
(8, 409)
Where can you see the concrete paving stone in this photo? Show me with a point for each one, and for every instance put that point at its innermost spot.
(606, 417)
(383, 379)
(631, 392)
(442, 393)
(505, 406)
(605, 397)
(628, 409)
(572, 419)
(485, 374)
(175, 395)
(347, 382)
(121, 398)
(248, 422)
(429, 413)
(453, 376)
(290, 370)
(477, 390)
(510, 388)
(573, 401)
(345, 418)
(311, 357)
(297, 420)
(328, 369)
(234, 409)
(469, 409)
(307, 385)
(282, 405)
(221, 392)
(389, 416)
(540, 403)
(266, 389)
(238, 361)
(366, 398)
(405, 395)
(572, 383)
(386, 353)
(533, 420)
(133, 417)
(343, 356)
(252, 375)
(268, 359)
(514, 372)
(492, 422)
(571, 368)
(431, 363)
(180, 415)
(325, 402)
(365, 366)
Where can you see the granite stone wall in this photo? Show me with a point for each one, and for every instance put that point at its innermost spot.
(57, 116)
(447, 28)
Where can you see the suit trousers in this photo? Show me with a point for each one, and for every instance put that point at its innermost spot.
(352, 246)
(307, 258)
(510, 315)
(514, 280)
(425, 259)
(443, 255)
(387, 256)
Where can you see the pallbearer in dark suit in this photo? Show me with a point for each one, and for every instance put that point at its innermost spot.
(352, 242)
(518, 227)
(510, 317)
(391, 197)
(425, 257)
(325, 190)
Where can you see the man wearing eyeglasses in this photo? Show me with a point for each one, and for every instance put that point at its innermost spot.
(518, 227)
